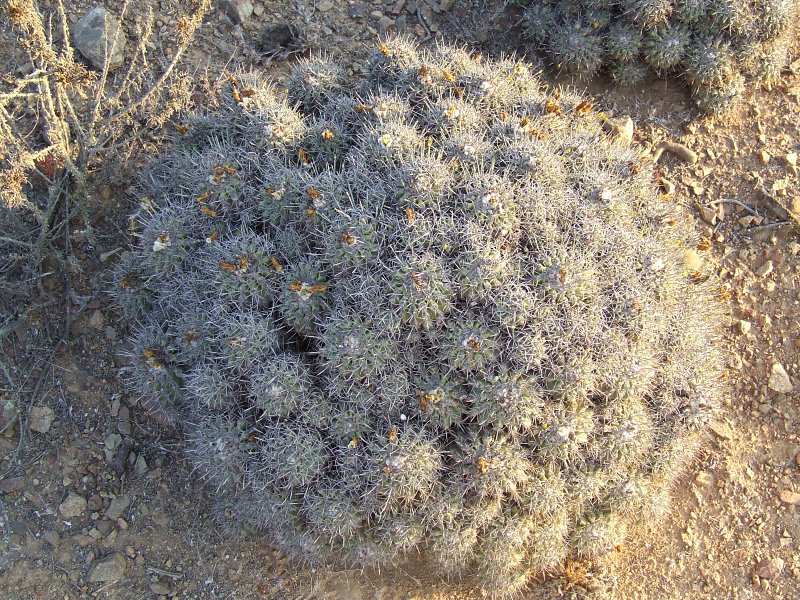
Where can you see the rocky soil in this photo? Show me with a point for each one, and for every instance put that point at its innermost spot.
(96, 499)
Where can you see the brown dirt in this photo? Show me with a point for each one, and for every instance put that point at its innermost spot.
(733, 531)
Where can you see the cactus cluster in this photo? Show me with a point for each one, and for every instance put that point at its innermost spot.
(433, 309)
(713, 46)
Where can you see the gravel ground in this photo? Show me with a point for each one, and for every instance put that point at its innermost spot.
(96, 499)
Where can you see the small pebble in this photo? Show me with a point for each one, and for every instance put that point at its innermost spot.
(73, 506)
(765, 269)
(779, 379)
(118, 506)
(709, 215)
(704, 478)
(97, 320)
(110, 568)
(770, 568)
(397, 7)
(112, 441)
(41, 418)
(161, 588)
(666, 186)
(621, 128)
(384, 23)
(357, 11)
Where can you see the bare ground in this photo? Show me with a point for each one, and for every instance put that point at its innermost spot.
(142, 515)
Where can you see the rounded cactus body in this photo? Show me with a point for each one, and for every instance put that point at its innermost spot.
(647, 13)
(281, 384)
(709, 45)
(623, 42)
(628, 74)
(459, 323)
(576, 47)
(665, 47)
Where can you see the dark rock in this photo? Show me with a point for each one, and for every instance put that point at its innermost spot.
(357, 10)
(384, 23)
(118, 506)
(12, 485)
(120, 458)
(97, 32)
(237, 10)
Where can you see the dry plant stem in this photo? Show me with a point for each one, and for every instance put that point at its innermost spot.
(14, 391)
(79, 118)
(169, 574)
(30, 397)
(186, 37)
(58, 98)
(733, 201)
(4, 524)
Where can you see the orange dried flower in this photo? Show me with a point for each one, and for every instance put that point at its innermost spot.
(419, 282)
(553, 107)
